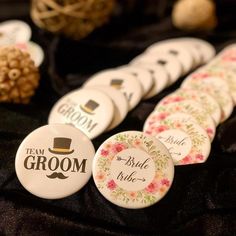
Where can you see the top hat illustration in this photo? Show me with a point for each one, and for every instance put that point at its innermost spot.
(174, 52)
(162, 62)
(61, 146)
(89, 107)
(116, 83)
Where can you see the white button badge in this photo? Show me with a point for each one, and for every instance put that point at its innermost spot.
(14, 31)
(120, 104)
(89, 110)
(128, 84)
(54, 161)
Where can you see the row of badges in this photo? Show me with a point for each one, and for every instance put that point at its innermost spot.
(131, 169)
(186, 120)
(105, 99)
(18, 33)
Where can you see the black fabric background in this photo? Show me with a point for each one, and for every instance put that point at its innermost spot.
(202, 200)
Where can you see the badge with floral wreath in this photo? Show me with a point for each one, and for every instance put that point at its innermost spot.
(207, 102)
(154, 191)
(223, 97)
(190, 107)
(200, 142)
(220, 72)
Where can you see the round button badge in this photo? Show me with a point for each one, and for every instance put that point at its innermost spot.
(14, 31)
(206, 49)
(133, 170)
(226, 58)
(176, 49)
(120, 104)
(89, 110)
(145, 78)
(160, 79)
(196, 55)
(190, 107)
(167, 61)
(207, 101)
(186, 141)
(220, 72)
(204, 80)
(222, 96)
(54, 161)
(126, 83)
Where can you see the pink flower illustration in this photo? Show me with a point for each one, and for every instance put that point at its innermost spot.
(161, 128)
(151, 122)
(162, 116)
(229, 56)
(178, 108)
(152, 187)
(178, 125)
(100, 176)
(111, 184)
(104, 152)
(209, 131)
(199, 157)
(178, 99)
(165, 182)
(132, 194)
(148, 132)
(172, 99)
(186, 160)
(165, 102)
(118, 147)
(137, 142)
(200, 75)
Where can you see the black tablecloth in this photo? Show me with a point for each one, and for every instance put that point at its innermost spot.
(202, 200)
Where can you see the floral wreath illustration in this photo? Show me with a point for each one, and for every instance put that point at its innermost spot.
(158, 124)
(186, 108)
(181, 95)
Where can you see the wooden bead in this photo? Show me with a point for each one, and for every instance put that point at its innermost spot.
(13, 64)
(14, 74)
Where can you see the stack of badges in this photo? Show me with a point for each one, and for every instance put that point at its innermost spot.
(161, 65)
(144, 77)
(185, 121)
(18, 33)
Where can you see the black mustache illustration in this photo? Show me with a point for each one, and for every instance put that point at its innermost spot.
(58, 175)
